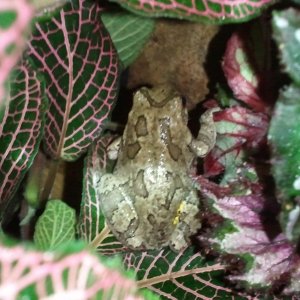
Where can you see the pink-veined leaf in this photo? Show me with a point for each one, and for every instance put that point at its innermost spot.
(71, 273)
(46, 6)
(184, 275)
(209, 11)
(76, 55)
(15, 16)
(20, 130)
(92, 227)
(237, 127)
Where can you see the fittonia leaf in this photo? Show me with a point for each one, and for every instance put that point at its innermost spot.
(68, 273)
(55, 226)
(15, 16)
(185, 275)
(210, 11)
(20, 130)
(74, 52)
(45, 6)
(92, 227)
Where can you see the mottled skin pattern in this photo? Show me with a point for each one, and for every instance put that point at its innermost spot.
(150, 201)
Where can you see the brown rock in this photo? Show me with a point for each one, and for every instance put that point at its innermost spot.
(175, 55)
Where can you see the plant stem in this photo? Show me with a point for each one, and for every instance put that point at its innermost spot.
(49, 182)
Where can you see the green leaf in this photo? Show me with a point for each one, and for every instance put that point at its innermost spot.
(208, 11)
(129, 33)
(286, 26)
(284, 137)
(56, 226)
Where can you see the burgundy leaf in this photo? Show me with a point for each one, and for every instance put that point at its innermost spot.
(294, 284)
(241, 75)
(237, 127)
(16, 16)
(246, 234)
(76, 55)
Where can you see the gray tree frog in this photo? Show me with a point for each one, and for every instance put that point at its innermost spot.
(150, 200)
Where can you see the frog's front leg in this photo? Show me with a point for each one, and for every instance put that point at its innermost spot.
(117, 206)
(206, 138)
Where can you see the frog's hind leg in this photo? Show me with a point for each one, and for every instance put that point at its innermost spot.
(186, 224)
(117, 207)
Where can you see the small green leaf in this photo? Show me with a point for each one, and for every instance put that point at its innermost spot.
(128, 32)
(55, 226)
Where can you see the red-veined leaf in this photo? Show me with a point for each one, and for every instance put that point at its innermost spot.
(15, 16)
(210, 11)
(20, 130)
(237, 127)
(75, 53)
(241, 75)
(247, 230)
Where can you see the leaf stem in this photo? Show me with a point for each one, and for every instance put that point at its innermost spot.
(100, 237)
(49, 182)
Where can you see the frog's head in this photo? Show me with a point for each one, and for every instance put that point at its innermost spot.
(163, 99)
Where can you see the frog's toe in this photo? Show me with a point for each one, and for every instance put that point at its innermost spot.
(178, 241)
(134, 242)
